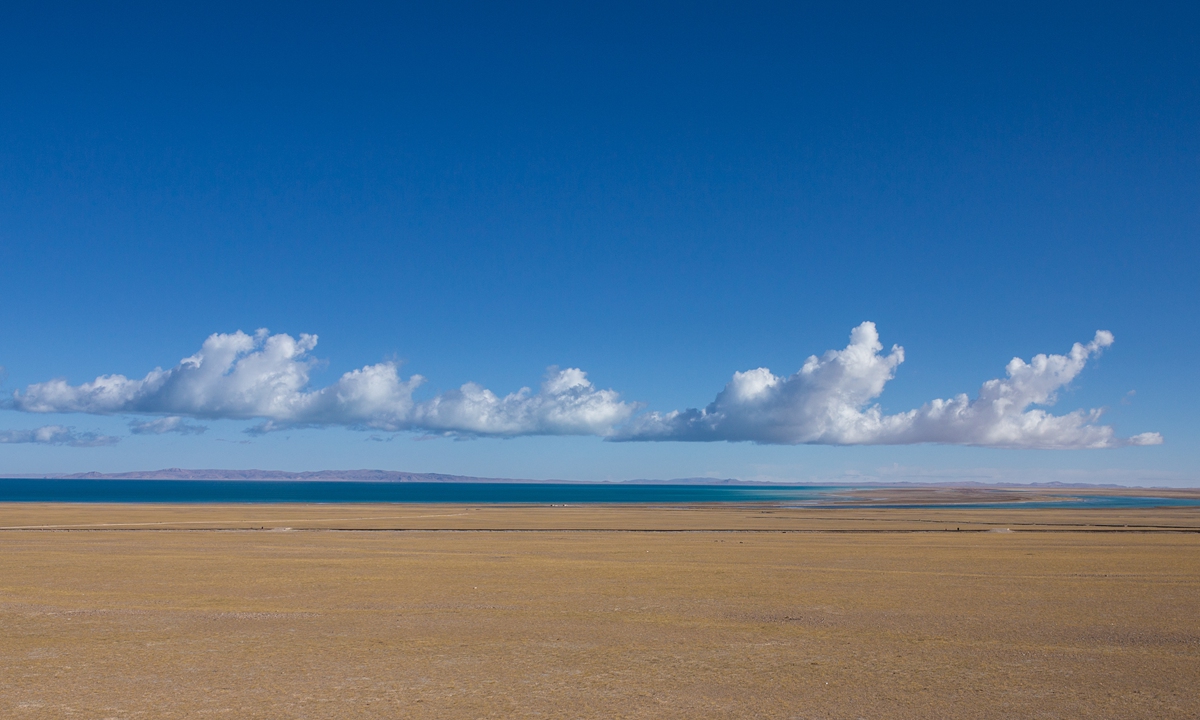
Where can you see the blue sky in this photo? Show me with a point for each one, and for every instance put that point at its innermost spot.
(659, 195)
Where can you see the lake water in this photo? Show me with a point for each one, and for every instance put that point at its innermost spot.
(238, 491)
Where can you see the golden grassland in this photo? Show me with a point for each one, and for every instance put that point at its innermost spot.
(453, 611)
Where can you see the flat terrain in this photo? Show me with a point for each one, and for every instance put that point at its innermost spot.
(294, 611)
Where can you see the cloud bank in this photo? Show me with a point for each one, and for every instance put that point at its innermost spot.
(828, 402)
(56, 435)
(266, 377)
(161, 426)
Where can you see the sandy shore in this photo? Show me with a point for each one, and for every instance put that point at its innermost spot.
(333, 611)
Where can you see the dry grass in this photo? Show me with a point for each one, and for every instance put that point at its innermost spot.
(1070, 615)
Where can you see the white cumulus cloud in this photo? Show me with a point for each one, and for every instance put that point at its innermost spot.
(266, 377)
(56, 435)
(828, 401)
(566, 404)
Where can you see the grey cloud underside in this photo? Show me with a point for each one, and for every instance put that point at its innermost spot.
(828, 401)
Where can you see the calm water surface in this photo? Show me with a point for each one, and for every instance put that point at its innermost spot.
(241, 491)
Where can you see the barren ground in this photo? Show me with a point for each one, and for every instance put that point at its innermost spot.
(602, 612)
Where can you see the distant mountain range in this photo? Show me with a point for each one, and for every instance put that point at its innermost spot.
(393, 476)
(325, 475)
(352, 476)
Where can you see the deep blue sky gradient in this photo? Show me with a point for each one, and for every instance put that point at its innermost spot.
(658, 194)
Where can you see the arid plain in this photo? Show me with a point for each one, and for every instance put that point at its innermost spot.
(439, 611)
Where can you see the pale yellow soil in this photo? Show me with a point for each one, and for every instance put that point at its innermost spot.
(596, 612)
